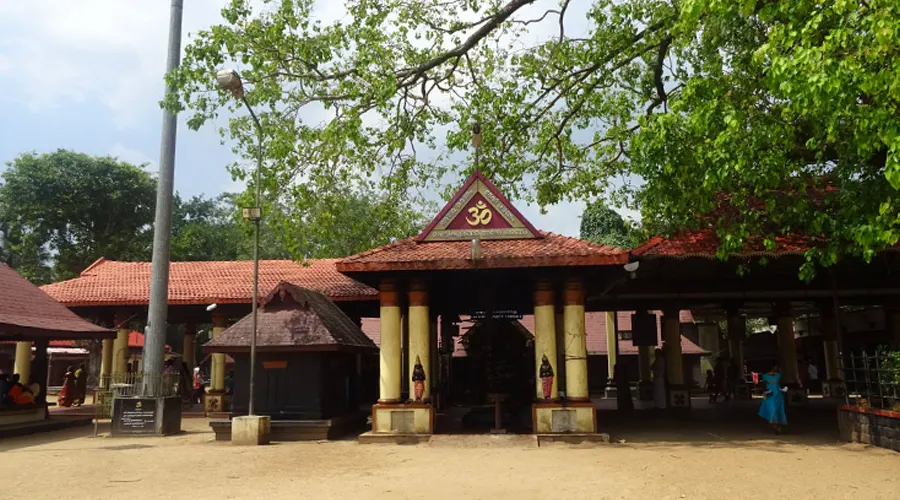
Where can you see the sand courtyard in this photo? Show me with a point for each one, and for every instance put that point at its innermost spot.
(697, 460)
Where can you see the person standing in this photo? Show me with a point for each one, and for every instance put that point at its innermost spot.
(813, 376)
(80, 385)
(659, 380)
(68, 392)
(721, 380)
(772, 407)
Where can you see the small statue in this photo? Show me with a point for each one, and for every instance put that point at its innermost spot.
(546, 374)
(418, 378)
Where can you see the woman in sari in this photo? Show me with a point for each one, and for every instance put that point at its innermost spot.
(772, 407)
(68, 392)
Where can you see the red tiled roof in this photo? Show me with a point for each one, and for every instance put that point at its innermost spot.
(595, 331)
(705, 243)
(109, 282)
(552, 250)
(27, 313)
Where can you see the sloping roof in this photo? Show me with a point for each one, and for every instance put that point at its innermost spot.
(108, 282)
(705, 243)
(552, 250)
(294, 319)
(28, 313)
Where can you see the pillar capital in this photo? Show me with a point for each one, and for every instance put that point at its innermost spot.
(573, 293)
(672, 312)
(388, 294)
(418, 292)
(219, 319)
(543, 293)
(121, 318)
(783, 309)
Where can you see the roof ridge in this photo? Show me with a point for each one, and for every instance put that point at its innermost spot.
(598, 246)
(96, 263)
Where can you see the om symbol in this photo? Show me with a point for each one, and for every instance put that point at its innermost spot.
(481, 214)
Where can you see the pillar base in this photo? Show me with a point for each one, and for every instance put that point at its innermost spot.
(742, 392)
(411, 418)
(834, 389)
(564, 418)
(796, 396)
(215, 402)
(679, 398)
(645, 391)
(250, 430)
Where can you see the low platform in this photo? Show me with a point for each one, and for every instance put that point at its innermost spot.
(573, 438)
(300, 430)
(52, 424)
(393, 438)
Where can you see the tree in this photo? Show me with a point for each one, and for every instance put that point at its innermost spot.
(205, 229)
(61, 211)
(602, 224)
(754, 117)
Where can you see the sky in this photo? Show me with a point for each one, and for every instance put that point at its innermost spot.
(87, 75)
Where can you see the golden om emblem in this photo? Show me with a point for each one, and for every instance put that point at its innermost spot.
(481, 214)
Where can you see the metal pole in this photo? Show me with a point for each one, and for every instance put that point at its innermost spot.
(254, 306)
(155, 341)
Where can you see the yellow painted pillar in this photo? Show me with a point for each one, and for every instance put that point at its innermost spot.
(788, 349)
(709, 340)
(106, 360)
(575, 341)
(189, 346)
(560, 349)
(545, 342)
(419, 343)
(23, 362)
(672, 338)
(217, 370)
(390, 354)
(612, 341)
(120, 345)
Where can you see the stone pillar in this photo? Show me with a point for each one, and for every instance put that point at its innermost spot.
(215, 400)
(612, 342)
(679, 394)
(419, 358)
(217, 371)
(189, 346)
(833, 385)
(645, 369)
(39, 369)
(737, 332)
(709, 340)
(560, 350)
(788, 356)
(106, 361)
(545, 342)
(23, 361)
(120, 345)
(575, 342)
(390, 343)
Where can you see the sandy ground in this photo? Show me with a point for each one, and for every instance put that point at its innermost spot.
(691, 463)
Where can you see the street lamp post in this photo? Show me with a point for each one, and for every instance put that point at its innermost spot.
(230, 80)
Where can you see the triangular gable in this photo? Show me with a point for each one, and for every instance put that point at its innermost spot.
(478, 210)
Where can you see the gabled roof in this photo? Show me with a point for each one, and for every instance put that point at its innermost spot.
(294, 319)
(109, 283)
(478, 210)
(28, 313)
(552, 250)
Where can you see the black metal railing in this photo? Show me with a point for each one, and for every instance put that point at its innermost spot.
(873, 379)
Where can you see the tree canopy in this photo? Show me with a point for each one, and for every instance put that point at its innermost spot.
(756, 117)
(602, 224)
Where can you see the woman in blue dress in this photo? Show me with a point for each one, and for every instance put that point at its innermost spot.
(772, 408)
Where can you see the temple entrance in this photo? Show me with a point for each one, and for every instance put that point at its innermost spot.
(497, 367)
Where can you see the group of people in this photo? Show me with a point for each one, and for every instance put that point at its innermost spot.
(74, 387)
(723, 379)
(13, 393)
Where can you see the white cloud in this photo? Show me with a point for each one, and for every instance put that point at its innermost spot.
(111, 51)
(133, 156)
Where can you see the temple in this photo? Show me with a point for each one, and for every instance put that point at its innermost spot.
(483, 321)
